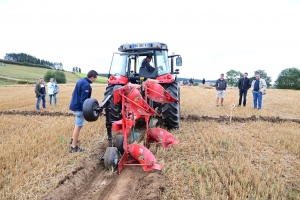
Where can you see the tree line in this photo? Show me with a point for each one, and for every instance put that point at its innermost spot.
(76, 69)
(287, 79)
(26, 58)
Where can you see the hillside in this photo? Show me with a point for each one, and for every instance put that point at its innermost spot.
(10, 73)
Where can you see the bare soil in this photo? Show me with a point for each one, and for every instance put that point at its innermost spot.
(92, 181)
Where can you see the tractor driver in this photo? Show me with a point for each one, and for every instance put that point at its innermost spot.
(146, 63)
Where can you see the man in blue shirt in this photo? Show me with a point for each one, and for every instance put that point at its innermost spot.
(258, 87)
(82, 91)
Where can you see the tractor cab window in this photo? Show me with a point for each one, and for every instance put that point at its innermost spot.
(162, 62)
(119, 64)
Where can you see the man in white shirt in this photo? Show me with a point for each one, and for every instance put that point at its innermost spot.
(51, 86)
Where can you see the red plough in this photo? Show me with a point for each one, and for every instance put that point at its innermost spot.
(134, 107)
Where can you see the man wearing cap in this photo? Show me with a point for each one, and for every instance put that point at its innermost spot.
(146, 63)
(244, 84)
(221, 86)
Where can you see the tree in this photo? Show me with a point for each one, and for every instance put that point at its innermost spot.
(232, 77)
(56, 74)
(79, 70)
(73, 69)
(263, 75)
(288, 79)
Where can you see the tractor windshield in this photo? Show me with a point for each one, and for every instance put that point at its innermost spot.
(162, 62)
(118, 64)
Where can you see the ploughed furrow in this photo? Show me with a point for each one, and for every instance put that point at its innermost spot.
(91, 180)
(35, 113)
(196, 118)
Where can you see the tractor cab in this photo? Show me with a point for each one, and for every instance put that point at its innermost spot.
(131, 63)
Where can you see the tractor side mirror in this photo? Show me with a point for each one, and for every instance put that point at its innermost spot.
(178, 61)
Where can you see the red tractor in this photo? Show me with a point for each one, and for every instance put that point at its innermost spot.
(126, 67)
(133, 93)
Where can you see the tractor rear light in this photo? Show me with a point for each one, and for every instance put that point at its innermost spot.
(169, 76)
(112, 78)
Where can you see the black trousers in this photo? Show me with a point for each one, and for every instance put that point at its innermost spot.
(243, 93)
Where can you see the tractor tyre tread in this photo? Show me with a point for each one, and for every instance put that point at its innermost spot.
(115, 110)
(171, 111)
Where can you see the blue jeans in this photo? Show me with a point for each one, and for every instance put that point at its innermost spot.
(41, 97)
(257, 99)
(54, 96)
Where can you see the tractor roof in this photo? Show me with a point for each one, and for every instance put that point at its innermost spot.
(143, 46)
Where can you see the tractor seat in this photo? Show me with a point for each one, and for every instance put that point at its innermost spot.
(146, 74)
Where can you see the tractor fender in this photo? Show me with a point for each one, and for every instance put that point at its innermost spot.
(117, 87)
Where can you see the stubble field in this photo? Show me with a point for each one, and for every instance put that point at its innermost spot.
(256, 156)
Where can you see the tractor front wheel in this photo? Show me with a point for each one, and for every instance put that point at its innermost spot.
(171, 111)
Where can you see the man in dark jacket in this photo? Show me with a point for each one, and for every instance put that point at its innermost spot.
(203, 81)
(244, 84)
(221, 86)
(82, 91)
(146, 63)
(40, 93)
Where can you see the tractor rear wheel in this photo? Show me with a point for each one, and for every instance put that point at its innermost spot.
(171, 111)
(115, 110)
(88, 110)
(111, 158)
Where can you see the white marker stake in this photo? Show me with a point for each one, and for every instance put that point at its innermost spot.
(232, 106)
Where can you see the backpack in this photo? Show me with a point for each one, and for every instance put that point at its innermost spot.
(56, 89)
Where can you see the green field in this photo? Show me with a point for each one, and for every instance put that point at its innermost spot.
(100, 79)
(32, 74)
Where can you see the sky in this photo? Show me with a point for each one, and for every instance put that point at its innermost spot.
(212, 36)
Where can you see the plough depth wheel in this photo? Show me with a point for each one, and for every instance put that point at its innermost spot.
(88, 109)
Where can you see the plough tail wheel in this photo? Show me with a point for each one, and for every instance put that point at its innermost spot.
(111, 158)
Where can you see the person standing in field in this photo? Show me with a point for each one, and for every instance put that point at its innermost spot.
(243, 84)
(51, 87)
(203, 81)
(55, 91)
(221, 86)
(191, 82)
(40, 92)
(82, 91)
(258, 87)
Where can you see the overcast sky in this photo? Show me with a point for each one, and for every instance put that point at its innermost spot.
(212, 36)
